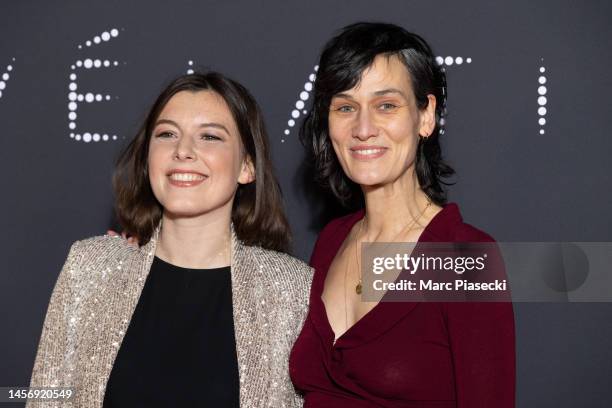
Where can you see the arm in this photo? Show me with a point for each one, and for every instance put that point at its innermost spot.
(49, 367)
(482, 339)
(483, 351)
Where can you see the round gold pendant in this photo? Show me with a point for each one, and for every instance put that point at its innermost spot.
(358, 288)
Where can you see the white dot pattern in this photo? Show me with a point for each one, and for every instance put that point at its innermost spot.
(542, 100)
(5, 77)
(89, 97)
(90, 64)
(300, 104)
(102, 38)
(449, 60)
(88, 137)
(190, 69)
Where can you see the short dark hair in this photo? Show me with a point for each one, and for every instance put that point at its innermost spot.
(257, 214)
(343, 60)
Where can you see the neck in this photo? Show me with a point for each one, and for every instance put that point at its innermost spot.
(200, 242)
(393, 207)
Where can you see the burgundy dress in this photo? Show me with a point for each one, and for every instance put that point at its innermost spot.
(410, 354)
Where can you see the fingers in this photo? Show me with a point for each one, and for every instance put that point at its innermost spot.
(132, 241)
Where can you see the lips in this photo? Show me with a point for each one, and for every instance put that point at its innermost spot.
(186, 178)
(367, 152)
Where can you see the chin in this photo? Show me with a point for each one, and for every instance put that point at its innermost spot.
(185, 210)
(368, 180)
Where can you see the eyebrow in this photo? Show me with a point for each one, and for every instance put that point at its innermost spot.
(205, 124)
(390, 91)
(382, 92)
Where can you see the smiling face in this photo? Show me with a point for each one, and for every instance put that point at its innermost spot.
(195, 157)
(375, 126)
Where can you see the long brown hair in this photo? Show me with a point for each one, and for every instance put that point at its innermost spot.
(257, 214)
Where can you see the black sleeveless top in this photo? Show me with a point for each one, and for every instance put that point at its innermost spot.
(179, 349)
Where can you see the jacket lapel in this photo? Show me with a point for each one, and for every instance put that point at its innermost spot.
(251, 309)
(242, 308)
(128, 285)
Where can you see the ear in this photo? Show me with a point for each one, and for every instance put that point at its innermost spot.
(247, 173)
(427, 117)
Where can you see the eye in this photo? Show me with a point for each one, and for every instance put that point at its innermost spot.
(387, 106)
(164, 135)
(345, 109)
(210, 137)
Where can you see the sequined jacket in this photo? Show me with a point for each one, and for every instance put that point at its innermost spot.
(97, 292)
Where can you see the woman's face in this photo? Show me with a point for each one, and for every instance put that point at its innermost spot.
(195, 155)
(375, 126)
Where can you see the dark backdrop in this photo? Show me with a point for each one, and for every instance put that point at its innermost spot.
(514, 181)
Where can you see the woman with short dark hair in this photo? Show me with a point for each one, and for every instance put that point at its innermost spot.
(205, 310)
(373, 132)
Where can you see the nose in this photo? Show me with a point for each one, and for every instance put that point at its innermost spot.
(365, 127)
(184, 149)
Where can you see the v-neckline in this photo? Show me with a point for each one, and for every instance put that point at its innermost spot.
(384, 315)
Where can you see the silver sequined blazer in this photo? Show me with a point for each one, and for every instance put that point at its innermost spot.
(97, 292)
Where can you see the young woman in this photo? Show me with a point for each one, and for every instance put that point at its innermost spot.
(374, 131)
(205, 310)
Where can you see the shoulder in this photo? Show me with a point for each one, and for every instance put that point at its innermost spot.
(468, 233)
(285, 277)
(86, 259)
(99, 251)
(105, 242)
(275, 259)
(332, 228)
(280, 265)
(333, 234)
(103, 245)
(448, 225)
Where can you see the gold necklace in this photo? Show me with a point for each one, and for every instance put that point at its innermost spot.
(359, 287)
